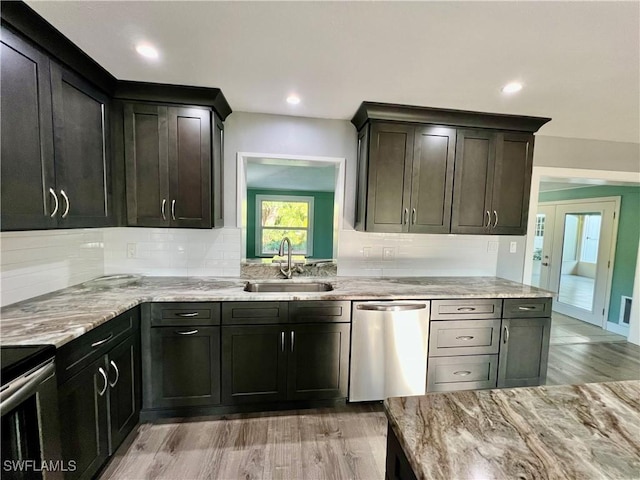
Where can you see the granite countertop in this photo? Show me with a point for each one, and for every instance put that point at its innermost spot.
(59, 317)
(569, 431)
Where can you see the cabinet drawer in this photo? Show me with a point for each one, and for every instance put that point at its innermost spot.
(446, 374)
(319, 312)
(473, 308)
(74, 356)
(180, 314)
(527, 307)
(254, 313)
(464, 337)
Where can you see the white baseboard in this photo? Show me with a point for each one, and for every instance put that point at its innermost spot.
(617, 328)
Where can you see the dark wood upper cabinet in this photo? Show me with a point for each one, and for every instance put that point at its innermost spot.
(168, 163)
(146, 165)
(27, 137)
(80, 128)
(473, 183)
(429, 170)
(407, 177)
(55, 149)
(432, 180)
(218, 172)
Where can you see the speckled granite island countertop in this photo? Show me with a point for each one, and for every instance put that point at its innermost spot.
(560, 432)
(59, 317)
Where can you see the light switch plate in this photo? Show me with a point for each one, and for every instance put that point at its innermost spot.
(513, 247)
(366, 252)
(131, 250)
(388, 253)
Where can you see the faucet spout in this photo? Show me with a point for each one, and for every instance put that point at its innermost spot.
(289, 271)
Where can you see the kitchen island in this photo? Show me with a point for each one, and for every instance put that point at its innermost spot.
(570, 431)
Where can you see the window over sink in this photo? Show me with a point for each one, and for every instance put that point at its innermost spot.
(282, 216)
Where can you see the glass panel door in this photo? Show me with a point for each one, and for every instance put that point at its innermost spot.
(542, 246)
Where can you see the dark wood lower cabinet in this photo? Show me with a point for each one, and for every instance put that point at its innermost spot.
(318, 361)
(98, 407)
(84, 422)
(270, 363)
(124, 390)
(524, 351)
(254, 363)
(397, 466)
(185, 367)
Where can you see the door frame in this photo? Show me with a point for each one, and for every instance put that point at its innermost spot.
(612, 246)
(549, 227)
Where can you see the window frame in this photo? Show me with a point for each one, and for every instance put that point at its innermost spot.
(283, 198)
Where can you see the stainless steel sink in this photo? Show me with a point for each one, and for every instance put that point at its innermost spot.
(287, 287)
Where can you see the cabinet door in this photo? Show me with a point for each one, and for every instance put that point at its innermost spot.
(361, 178)
(390, 158)
(512, 183)
(27, 137)
(190, 167)
(124, 390)
(318, 361)
(147, 165)
(185, 366)
(473, 182)
(432, 180)
(218, 172)
(80, 137)
(524, 351)
(82, 403)
(254, 363)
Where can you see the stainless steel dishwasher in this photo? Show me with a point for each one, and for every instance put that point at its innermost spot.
(389, 343)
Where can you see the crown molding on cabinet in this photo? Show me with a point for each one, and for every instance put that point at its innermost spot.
(443, 116)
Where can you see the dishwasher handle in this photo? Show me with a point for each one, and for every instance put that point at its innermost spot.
(390, 307)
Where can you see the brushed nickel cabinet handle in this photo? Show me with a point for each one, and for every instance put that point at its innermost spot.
(526, 307)
(106, 381)
(100, 342)
(188, 315)
(462, 373)
(488, 219)
(496, 221)
(190, 332)
(115, 367)
(506, 334)
(465, 337)
(406, 216)
(293, 339)
(173, 209)
(56, 204)
(467, 309)
(413, 216)
(68, 204)
(164, 204)
(282, 341)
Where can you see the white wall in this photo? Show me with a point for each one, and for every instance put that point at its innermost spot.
(172, 252)
(35, 263)
(286, 135)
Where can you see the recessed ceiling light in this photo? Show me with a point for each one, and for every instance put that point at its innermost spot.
(512, 87)
(147, 51)
(293, 99)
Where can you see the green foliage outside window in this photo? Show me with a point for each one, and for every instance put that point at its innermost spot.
(284, 218)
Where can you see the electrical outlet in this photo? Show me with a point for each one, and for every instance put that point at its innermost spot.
(513, 247)
(388, 253)
(131, 250)
(366, 252)
(492, 247)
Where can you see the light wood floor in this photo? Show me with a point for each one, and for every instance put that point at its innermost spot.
(342, 443)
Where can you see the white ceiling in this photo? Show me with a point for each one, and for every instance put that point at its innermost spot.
(579, 61)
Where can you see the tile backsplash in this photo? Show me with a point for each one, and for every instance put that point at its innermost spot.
(403, 254)
(37, 262)
(172, 252)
